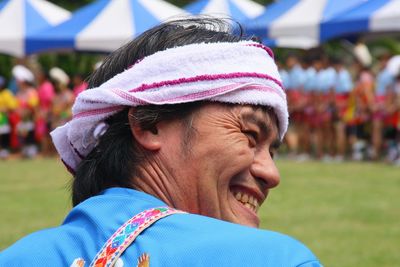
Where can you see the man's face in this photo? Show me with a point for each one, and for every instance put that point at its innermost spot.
(226, 168)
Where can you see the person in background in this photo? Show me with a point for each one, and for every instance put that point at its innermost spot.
(306, 128)
(79, 84)
(392, 123)
(64, 98)
(343, 86)
(46, 95)
(358, 113)
(12, 83)
(291, 139)
(382, 105)
(327, 111)
(296, 101)
(8, 104)
(318, 116)
(28, 102)
(172, 152)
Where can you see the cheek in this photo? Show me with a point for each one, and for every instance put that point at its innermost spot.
(237, 157)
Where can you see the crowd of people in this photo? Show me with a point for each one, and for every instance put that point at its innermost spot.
(338, 111)
(342, 110)
(33, 103)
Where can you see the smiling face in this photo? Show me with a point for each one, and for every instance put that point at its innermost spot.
(227, 169)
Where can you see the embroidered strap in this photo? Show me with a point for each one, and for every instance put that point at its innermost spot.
(127, 233)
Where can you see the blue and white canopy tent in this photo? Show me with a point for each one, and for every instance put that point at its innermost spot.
(299, 23)
(104, 25)
(20, 19)
(239, 10)
(373, 16)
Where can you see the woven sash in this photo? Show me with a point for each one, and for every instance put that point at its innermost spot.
(127, 233)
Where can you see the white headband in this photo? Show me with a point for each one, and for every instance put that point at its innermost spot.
(242, 72)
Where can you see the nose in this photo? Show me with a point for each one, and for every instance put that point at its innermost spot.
(264, 169)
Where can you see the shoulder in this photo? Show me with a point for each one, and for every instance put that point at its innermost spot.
(193, 240)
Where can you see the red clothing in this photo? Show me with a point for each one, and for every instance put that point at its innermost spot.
(46, 94)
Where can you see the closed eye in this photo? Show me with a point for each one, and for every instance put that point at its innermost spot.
(274, 147)
(252, 136)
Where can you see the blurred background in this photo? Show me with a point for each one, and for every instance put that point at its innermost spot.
(340, 65)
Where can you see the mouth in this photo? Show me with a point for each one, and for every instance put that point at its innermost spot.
(248, 203)
(247, 200)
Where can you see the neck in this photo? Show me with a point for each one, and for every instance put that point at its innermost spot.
(153, 180)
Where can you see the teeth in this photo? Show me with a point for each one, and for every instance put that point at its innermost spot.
(247, 200)
(251, 200)
(238, 196)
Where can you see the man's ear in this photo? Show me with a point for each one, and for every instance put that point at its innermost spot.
(147, 138)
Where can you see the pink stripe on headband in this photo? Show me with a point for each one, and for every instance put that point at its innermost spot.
(189, 97)
(218, 91)
(97, 112)
(206, 77)
(76, 151)
(266, 48)
(128, 97)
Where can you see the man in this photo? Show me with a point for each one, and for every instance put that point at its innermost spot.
(184, 118)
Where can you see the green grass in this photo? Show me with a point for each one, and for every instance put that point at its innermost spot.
(348, 214)
(33, 195)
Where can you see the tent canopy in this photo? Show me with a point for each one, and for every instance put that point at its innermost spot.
(20, 19)
(370, 17)
(238, 10)
(104, 25)
(307, 23)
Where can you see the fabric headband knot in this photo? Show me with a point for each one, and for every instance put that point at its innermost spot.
(242, 72)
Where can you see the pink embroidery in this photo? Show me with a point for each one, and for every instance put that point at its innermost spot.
(127, 233)
(206, 77)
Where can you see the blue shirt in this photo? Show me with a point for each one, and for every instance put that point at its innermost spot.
(383, 81)
(296, 77)
(327, 79)
(310, 81)
(176, 240)
(344, 83)
(285, 78)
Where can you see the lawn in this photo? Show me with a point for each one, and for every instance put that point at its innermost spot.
(348, 214)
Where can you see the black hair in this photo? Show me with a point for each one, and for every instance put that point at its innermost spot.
(114, 161)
